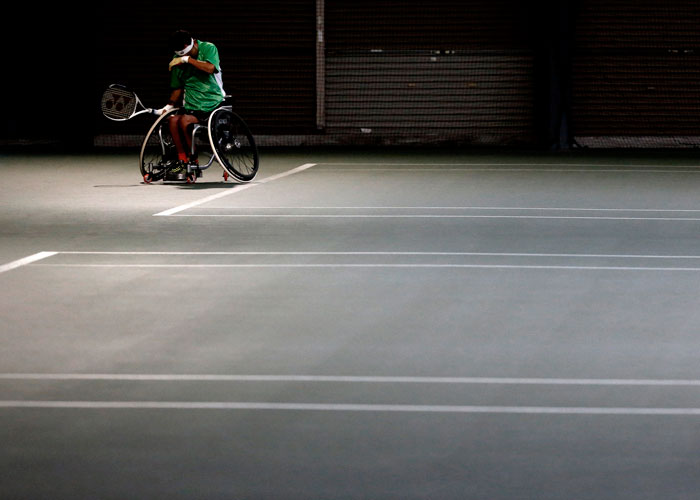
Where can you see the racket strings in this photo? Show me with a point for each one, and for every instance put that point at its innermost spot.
(118, 103)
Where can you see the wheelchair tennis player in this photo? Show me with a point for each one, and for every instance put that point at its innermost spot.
(197, 88)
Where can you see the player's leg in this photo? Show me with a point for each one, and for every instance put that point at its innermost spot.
(185, 124)
(175, 132)
(178, 171)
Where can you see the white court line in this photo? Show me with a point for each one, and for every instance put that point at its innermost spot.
(237, 189)
(26, 260)
(515, 164)
(442, 216)
(453, 215)
(380, 265)
(135, 377)
(523, 209)
(381, 408)
(529, 167)
(427, 254)
(385, 266)
(276, 406)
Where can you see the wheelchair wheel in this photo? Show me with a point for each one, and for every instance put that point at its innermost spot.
(233, 144)
(157, 149)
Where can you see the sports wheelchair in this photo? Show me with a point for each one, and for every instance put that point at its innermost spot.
(224, 138)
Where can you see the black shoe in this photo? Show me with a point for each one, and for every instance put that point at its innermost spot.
(156, 174)
(177, 171)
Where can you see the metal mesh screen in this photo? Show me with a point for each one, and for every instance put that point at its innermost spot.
(636, 73)
(620, 73)
(411, 71)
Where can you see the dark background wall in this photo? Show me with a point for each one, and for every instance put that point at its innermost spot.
(636, 68)
(497, 72)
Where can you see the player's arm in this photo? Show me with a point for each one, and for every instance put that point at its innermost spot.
(174, 101)
(176, 97)
(205, 66)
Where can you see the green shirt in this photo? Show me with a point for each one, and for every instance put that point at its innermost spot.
(203, 92)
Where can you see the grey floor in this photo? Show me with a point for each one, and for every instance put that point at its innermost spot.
(420, 324)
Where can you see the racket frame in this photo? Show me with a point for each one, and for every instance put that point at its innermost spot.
(120, 91)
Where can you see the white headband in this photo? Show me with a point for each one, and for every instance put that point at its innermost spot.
(186, 49)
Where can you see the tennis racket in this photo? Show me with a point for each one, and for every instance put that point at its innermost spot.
(120, 104)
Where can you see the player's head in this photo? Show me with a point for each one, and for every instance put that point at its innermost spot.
(181, 42)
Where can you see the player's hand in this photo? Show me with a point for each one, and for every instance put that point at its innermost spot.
(177, 61)
(164, 109)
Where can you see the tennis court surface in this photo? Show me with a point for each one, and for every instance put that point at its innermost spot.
(394, 324)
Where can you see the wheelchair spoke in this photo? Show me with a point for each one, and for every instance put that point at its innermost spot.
(156, 151)
(233, 145)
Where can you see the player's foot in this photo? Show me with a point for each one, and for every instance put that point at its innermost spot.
(176, 172)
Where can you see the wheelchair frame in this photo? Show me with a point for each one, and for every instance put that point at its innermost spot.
(230, 141)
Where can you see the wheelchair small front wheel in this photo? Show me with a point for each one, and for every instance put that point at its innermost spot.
(233, 144)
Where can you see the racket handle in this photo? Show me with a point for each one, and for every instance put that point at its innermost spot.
(162, 110)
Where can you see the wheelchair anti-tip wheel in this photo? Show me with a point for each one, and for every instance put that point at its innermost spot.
(233, 144)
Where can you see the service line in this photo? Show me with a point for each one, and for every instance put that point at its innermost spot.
(341, 407)
(26, 260)
(351, 379)
(234, 190)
